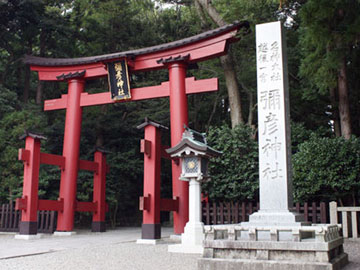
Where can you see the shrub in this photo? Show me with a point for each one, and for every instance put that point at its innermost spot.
(234, 175)
(327, 169)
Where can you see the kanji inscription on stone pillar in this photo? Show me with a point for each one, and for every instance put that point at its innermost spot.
(274, 126)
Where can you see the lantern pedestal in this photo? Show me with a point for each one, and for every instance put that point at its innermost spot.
(193, 236)
(194, 154)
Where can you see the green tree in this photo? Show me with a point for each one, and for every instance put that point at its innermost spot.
(329, 31)
(13, 125)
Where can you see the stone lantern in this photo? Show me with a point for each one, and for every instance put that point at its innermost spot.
(194, 154)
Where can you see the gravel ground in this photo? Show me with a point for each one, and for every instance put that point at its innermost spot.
(105, 257)
(352, 248)
(108, 251)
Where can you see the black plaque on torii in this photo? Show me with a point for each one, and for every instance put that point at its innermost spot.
(118, 78)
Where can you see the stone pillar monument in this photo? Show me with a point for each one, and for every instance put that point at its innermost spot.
(274, 237)
(274, 129)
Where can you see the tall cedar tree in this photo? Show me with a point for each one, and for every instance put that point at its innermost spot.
(329, 31)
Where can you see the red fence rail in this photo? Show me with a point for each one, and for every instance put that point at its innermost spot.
(236, 212)
(10, 219)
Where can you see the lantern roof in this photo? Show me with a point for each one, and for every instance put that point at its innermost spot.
(193, 142)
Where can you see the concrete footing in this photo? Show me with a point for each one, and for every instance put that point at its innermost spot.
(28, 236)
(60, 233)
(148, 241)
(318, 247)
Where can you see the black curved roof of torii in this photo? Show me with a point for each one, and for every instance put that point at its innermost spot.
(44, 61)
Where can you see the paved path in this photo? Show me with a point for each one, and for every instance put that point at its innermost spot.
(352, 248)
(111, 250)
(10, 247)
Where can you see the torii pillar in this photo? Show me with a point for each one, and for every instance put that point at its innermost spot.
(29, 201)
(179, 118)
(71, 149)
(150, 202)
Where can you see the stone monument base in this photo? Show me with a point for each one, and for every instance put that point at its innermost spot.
(318, 247)
(276, 218)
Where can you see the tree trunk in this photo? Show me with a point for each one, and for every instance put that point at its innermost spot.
(26, 84)
(344, 107)
(98, 127)
(211, 11)
(334, 105)
(19, 77)
(39, 92)
(40, 86)
(196, 106)
(27, 77)
(335, 112)
(229, 70)
(251, 110)
(200, 12)
(212, 112)
(233, 90)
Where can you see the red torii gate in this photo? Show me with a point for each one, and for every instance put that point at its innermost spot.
(175, 56)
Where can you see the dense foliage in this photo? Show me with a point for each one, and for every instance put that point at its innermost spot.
(323, 43)
(327, 169)
(234, 175)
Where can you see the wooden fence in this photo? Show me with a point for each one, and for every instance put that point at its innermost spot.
(236, 212)
(10, 219)
(348, 217)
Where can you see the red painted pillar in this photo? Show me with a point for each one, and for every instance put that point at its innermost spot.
(151, 146)
(178, 117)
(71, 150)
(98, 222)
(29, 200)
